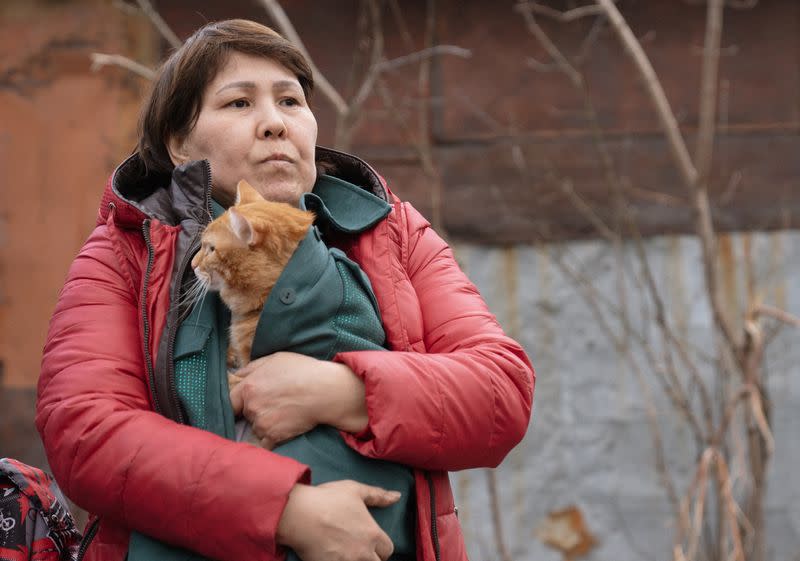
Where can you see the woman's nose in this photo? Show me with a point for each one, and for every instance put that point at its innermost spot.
(271, 123)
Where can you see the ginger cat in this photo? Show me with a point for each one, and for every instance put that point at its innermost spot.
(242, 254)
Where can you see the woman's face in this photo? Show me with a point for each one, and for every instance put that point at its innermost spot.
(254, 124)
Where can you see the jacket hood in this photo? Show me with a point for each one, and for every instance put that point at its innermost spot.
(173, 197)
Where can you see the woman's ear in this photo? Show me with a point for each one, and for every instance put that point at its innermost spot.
(176, 146)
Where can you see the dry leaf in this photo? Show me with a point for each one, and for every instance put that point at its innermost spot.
(566, 531)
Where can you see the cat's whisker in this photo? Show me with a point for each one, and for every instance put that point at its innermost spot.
(202, 296)
(195, 293)
(189, 296)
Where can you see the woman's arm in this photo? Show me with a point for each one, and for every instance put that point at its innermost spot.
(466, 401)
(117, 458)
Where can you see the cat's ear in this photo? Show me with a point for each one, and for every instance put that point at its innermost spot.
(246, 193)
(242, 227)
(177, 149)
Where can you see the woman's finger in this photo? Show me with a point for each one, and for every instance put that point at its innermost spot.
(384, 548)
(377, 496)
(237, 401)
(266, 443)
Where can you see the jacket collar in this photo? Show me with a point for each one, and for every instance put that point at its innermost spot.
(185, 193)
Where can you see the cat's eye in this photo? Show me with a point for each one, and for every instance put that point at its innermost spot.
(211, 248)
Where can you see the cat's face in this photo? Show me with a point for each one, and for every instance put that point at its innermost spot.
(244, 251)
(218, 247)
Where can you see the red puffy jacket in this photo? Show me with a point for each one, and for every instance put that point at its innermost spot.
(455, 394)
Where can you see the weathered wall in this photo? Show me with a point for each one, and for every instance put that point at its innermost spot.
(589, 443)
(62, 130)
(503, 135)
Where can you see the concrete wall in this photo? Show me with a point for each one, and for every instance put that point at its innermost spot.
(589, 442)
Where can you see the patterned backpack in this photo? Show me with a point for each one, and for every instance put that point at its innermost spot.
(35, 521)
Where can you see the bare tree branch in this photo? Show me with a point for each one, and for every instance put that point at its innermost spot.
(126, 8)
(376, 57)
(705, 143)
(549, 46)
(777, 313)
(708, 92)
(99, 60)
(159, 23)
(653, 85)
(735, 4)
(424, 53)
(285, 26)
(563, 17)
(494, 503)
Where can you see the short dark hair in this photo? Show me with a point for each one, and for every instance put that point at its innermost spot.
(174, 102)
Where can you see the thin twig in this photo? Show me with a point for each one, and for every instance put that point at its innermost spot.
(708, 92)
(424, 53)
(376, 56)
(653, 85)
(99, 60)
(285, 26)
(574, 76)
(589, 41)
(402, 26)
(557, 15)
(588, 212)
(126, 8)
(159, 23)
(731, 508)
(705, 143)
(700, 484)
(494, 505)
(777, 313)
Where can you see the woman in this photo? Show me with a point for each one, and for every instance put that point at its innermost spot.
(453, 393)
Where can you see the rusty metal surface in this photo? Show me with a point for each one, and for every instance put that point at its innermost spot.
(512, 193)
(62, 130)
(759, 69)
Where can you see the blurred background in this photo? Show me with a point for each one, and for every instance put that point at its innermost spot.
(620, 180)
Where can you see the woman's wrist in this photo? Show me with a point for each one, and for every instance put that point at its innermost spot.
(345, 405)
(292, 514)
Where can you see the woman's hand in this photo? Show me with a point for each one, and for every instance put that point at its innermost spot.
(330, 522)
(285, 394)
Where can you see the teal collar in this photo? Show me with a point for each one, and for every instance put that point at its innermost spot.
(217, 209)
(344, 206)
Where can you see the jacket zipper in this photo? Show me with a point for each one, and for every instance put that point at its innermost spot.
(87, 538)
(434, 530)
(173, 333)
(148, 358)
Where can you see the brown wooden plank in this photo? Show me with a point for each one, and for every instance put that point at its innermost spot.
(495, 91)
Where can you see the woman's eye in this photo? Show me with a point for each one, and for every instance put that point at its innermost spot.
(290, 101)
(239, 103)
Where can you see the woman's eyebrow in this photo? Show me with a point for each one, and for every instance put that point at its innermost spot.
(241, 84)
(285, 84)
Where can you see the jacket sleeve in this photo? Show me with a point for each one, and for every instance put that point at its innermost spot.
(463, 403)
(115, 457)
